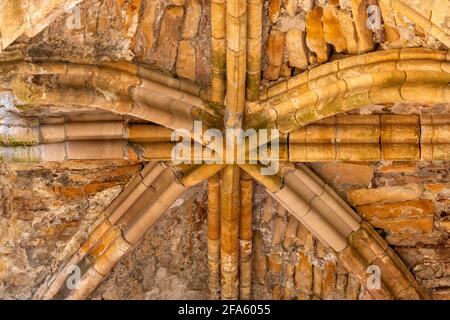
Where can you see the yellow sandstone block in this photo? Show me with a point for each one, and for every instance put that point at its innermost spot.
(349, 31)
(332, 29)
(315, 38)
(365, 35)
(358, 152)
(400, 152)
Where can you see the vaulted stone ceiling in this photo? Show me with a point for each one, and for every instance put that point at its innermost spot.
(91, 91)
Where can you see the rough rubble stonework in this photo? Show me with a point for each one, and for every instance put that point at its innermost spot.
(49, 209)
(407, 203)
(170, 262)
(45, 211)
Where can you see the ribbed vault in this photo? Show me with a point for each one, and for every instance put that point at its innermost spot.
(294, 106)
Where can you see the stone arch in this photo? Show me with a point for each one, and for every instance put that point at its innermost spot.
(339, 227)
(121, 88)
(381, 77)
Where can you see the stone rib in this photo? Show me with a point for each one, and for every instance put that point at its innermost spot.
(371, 138)
(236, 35)
(442, 34)
(229, 233)
(132, 192)
(218, 51)
(339, 86)
(254, 40)
(129, 217)
(338, 227)
(245, 237)
(213, 239)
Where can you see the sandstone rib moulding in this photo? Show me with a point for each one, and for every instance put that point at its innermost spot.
(317, 207)
(83, 140)
(121, 211)
(236, 35)
(382, 77)
(120, 227)
(69, 150)
(218, 51)
(121, 88)
(339, 138)
(213, 238)
(245, 236)
(372, 138)
(339, 228)
(20, 135)
(254, 40)
(193, 174)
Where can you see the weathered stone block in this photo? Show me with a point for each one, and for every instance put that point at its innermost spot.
(290, 6)
(385, 194)
(274, 52)
(192, 19)
(315, 38)
(166, 51)
(345, 173)
(400, 167)
(186, 64)
(296, 48)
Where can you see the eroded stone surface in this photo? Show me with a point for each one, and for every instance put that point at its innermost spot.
(170, 262)
(46, 212)
(186, 64)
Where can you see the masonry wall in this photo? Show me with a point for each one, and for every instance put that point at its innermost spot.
(45, 212)
(288, 261)
(172, 35)
(408, 204)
